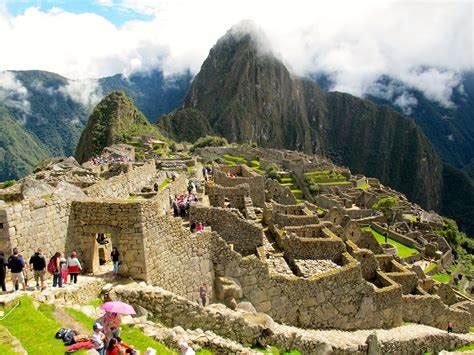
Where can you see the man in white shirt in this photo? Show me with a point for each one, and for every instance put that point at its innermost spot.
(98, 338)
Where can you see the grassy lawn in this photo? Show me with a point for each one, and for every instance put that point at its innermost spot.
(403, 251)
(33, 329)
(466, 348)
(129, 335)
(442, 277)
(365, 186)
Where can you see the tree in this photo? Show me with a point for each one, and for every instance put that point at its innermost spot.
(389, 207)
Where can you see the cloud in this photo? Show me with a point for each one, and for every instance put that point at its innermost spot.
(85, 91)
(354, 41)
(13, 93)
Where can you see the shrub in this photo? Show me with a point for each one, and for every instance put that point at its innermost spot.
(209, 141)
(7, 183)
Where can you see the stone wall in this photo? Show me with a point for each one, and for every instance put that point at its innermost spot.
(162, 200)
(336, 299)
(122, 220)
(243, 235)
(122, 185)
(172, 310)
(281, 194)
(326, 246)
(34, 223)
(430, 310)
(177, 259)
(245, 176)
(236, 195)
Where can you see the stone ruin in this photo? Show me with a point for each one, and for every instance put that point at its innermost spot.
(259, 251)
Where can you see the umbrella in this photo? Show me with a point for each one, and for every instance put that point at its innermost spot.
(117, 307)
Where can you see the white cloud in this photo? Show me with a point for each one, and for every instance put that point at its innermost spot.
(355, 41)
(85, 91)
(406, 102)
(13, 93)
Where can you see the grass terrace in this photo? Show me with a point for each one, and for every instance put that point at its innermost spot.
(254, 164)
(403, 250)
(320, 178)
(285, 179)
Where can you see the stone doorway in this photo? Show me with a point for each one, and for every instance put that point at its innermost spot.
(102, 240)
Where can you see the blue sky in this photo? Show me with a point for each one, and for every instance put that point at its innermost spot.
(118, 15)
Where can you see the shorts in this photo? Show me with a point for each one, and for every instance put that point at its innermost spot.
(18, 277)
(39, 274)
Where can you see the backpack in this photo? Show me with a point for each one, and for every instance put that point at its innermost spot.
(51, 266)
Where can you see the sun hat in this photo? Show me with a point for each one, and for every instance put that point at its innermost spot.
(98, 326)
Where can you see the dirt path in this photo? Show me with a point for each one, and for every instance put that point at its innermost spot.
(69, 322)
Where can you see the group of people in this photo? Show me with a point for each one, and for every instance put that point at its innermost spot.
(207, 173)
(181, 203)
(196, 227)
(58, 266)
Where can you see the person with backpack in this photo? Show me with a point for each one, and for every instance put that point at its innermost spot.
(74, 267)
(16, 264)
(38, 264)
(54, 268)
(3, 271)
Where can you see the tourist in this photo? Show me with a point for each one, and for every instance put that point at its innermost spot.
(64, 270)
(203, 294)
(38, 264)
(204, 173)
(16, 264)
(192, 227)
(74, 266)
(3, 271)
(98, 338)
(54, 268)
(185, 349)
(450, 327)
(115, 259)
(113, 348)
(111, 322)
(175, 206)
(199, 228)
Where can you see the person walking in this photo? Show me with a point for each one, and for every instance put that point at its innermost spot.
(16, 264)
(115, 259)
(3, 271)
(54, 268)
(74, 267)
(64, 270)
(38, 264)
(203, 295)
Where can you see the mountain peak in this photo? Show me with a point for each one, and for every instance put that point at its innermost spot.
(248, 33)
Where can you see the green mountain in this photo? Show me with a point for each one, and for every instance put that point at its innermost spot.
(115, 119)
(58, 109)
(247, 95)
(19, 149)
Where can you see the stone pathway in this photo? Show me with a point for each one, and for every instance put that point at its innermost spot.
(410, 336)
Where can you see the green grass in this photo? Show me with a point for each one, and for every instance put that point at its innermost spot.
(274, 351)
(47, 310)
(403, 251)
(254, 164)
(164, 184)
(33, 329)
(466, 348)
(132, 336)
(430, 267)
(442, 277)
(364, 187)
(409, 217)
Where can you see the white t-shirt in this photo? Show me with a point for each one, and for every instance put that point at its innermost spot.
(96, 339)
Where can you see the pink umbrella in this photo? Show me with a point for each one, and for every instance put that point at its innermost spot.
(117, 307)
